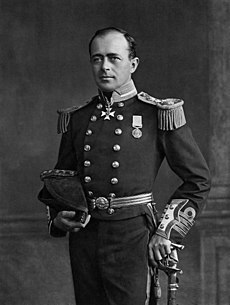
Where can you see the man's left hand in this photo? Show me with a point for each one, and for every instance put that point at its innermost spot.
(158, 249)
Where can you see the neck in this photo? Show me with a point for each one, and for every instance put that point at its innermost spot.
(125, 92)
(108, 95)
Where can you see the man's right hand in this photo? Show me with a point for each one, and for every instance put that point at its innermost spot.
(65, 221)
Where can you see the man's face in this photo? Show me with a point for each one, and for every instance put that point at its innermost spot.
(110, 61)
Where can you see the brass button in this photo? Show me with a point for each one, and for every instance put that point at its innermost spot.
(118, 131)
(93, 118)
(116, 147)
(87, 163)
(92, 204)
(110, 211)
(120, 117)
(114, 181)
(87, 179)
(87, 147)
(99, 106)
(121, 104)
(90, 193)
(115, 164)
(112, 195)
(89, 132)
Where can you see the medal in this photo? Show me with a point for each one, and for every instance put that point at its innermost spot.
(137, 133)
(108, 111)
(137, 124)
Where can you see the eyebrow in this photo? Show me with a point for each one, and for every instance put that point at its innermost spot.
(109, 55)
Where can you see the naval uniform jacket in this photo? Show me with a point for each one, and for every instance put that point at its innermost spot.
(110, 161)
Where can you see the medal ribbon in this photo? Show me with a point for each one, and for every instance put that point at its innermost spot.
(137, 121)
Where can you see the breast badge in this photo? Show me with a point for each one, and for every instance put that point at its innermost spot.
(137, 125)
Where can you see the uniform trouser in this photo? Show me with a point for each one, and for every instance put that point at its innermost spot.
(109, 262)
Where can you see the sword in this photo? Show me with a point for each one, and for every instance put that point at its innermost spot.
(169, 266)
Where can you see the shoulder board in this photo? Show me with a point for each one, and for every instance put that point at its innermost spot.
(145, 97)
(170, 111)
(65, 114)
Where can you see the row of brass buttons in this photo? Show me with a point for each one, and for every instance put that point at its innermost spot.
(117, 131)
(116, 147)
(120, 105)
(115, 164)
(88, 179)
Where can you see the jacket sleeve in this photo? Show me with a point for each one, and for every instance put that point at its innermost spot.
(53, 230)
(186, 160)
(66, 160)
(66, 157)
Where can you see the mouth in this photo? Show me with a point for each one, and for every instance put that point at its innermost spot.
(105, 77)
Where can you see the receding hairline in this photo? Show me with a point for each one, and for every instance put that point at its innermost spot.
(104, 35)
(106, 31)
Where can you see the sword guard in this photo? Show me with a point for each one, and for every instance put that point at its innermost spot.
(168, 269)
(169, 263)
(177, 246)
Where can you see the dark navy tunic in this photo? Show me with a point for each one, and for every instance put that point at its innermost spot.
(93, 145)
(109, 256)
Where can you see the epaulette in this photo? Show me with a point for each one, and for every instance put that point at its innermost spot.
(170, 111)
(64, 116)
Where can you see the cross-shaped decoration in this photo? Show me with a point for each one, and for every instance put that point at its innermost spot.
(107, 113)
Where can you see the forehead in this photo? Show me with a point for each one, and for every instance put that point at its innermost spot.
(110, 43)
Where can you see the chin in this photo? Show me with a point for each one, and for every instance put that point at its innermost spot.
(106, 87)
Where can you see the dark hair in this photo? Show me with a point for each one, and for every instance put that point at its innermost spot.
(131, 41)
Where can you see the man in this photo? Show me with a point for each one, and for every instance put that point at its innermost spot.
(116, 143)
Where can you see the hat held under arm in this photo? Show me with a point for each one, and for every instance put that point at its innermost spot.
(62, 191)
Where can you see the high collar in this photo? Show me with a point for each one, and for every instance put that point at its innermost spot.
(125, 92)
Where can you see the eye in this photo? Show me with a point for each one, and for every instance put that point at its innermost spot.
(115, 58)
(96, 59)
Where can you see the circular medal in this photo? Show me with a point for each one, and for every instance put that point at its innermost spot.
(137, 133)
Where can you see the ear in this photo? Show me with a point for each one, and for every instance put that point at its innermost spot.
(134, 64)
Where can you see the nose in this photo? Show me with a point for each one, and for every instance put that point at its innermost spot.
(105, 66)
